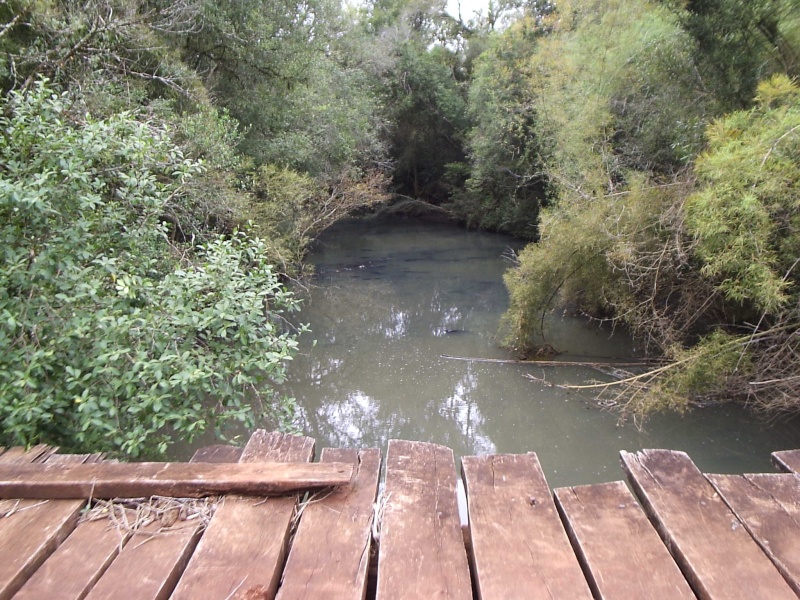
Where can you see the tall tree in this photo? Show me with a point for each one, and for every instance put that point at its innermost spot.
(422, 91)
(506, 185)
(428, 112)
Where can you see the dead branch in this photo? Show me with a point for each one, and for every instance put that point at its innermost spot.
(554, 363)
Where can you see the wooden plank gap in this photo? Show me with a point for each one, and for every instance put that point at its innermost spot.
(769, 507)
(153, 558)
(244, 548)
(31, 530)
(621, 554)
(787, 460)
(76, 566)
(18, 455)
(716, 554)
(330, 551)
(517, 535)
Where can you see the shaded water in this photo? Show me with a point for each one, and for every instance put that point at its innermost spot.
(390, 298)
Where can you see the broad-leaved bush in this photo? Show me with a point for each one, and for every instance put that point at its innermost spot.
(113, 337)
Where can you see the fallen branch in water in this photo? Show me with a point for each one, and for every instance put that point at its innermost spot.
(542, 381)
(553, 363)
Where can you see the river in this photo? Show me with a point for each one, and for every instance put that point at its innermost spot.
(390, 298)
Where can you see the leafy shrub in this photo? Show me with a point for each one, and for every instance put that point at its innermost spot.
(112, 338)
(567, 264)
(745, 214)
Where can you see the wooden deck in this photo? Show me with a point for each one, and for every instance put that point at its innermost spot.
(674, 532)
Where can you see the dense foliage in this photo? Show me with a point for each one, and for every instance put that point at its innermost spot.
(138, 301)
(505, 187)
(674, 185)
(110, 337)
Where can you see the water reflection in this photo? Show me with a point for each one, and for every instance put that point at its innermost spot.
(390, 299)
(464, 411)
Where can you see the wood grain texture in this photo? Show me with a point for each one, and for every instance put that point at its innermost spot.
(219, 453)
(516, 532)
(716, 554)
(787, 460)
(80, 562)
(29, 536)
(20, 456)
(74, 458)
(180, 480)
(149, 565)
(243, 550)
(422, 551)
(769, 507)
(330, 551)
(77, 564)
(32, 529)
(622, 555)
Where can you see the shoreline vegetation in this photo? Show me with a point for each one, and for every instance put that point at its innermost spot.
(165, 166)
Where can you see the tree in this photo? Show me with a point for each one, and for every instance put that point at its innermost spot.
(428, 110)
(619, 114)
(276, 68)
(741, 42)
(506, 186)
(421, 84)
(743, 220)
(745, 214)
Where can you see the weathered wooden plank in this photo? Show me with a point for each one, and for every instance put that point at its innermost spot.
(77, 564)
(149, 565)
(30, 530)
(787, 460)
(422, 551)
(242, 552)
(516, 532)
(621, 553)
(15, 456)
(769, 507)
(62, 459)
(219, 453)
(18, 455)
(330, 551)
(182, 480)
(29, 536)
(716, 554)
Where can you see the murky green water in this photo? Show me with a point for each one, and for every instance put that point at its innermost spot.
(390, 298)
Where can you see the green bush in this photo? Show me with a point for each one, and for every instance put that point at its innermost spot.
(112, 337)
(745, 213)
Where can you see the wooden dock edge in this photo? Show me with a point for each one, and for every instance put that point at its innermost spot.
(516, 519)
